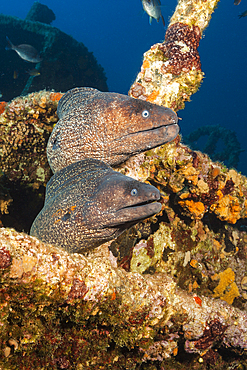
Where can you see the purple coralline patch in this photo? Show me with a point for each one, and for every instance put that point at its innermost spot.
(5, 258)
(78, 290)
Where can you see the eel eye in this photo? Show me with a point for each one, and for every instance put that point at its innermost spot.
(134, 192)
(145, 114)
(55, 144)
(66, 216)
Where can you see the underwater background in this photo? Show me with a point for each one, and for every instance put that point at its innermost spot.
(118, 33)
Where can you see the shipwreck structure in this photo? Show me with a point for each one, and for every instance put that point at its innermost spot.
(65, 63)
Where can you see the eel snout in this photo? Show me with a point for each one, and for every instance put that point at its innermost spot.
(142, 140)
(145, 205)
(136, 213)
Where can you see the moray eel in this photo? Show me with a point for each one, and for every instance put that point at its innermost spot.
(107, 126)
(88, 203)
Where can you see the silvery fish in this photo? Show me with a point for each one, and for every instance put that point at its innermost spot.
(152, 8)
(244, 14)
(33, 72)
(26, 52)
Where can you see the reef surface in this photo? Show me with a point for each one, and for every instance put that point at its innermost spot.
(61, 311)
(25, 126)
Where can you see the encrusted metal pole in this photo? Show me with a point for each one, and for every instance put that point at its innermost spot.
(171, 71)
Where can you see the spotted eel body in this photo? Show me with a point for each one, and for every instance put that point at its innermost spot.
(107, 126)
(88, 203)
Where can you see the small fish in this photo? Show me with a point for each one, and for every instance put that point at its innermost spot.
(244, 14)
(26, 52)
(33, 72)
(15, 75)
(152, 8)
(237, 2)
(88, 203)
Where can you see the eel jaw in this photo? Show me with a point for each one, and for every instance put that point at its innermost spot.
(140, 141)
(130, 215)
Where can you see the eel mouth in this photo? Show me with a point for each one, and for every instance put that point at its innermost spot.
(173, 124)
(135, 213)
(143, 140)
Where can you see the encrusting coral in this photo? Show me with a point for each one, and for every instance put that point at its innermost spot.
(25, 125)
(199, 185)
(66, 309)
(171, 71)
(200, 231)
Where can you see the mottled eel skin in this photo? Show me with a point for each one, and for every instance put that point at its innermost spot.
(107, 126)
(88, 203)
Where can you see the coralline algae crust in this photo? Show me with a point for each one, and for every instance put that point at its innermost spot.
(155, 85)
(25, 125)
(196, 194)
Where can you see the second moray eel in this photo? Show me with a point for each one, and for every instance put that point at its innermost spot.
(88, 203)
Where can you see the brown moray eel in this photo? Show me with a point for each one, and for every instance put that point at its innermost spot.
(107, 126)
(88, 203)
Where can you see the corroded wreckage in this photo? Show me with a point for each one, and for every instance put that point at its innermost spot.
(171, 71)
(65, 63)
(169, 293)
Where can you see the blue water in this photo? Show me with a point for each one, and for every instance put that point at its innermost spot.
(118, 33)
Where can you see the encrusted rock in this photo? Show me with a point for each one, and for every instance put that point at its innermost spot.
(87, 312)
(25, 126)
